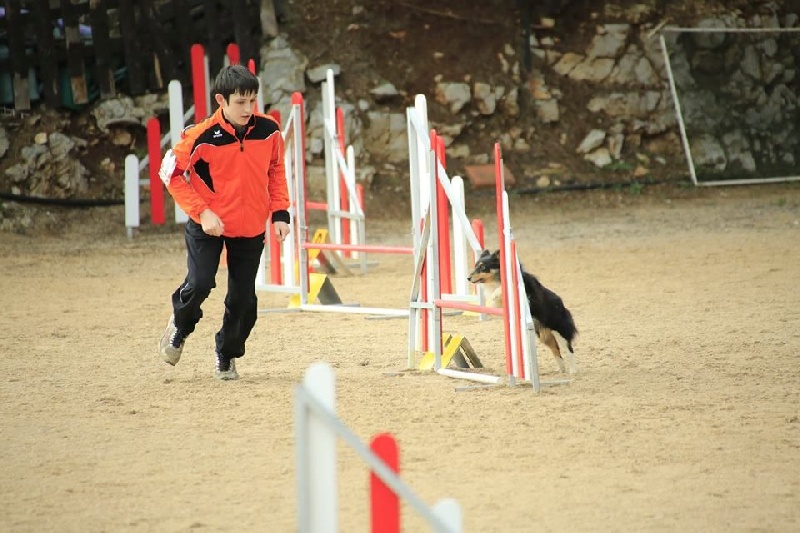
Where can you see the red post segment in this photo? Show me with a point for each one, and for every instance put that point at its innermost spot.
(297, 98)
(478, 230)
(344, 196)
(198, 56)
(360, 196)
(234, 54)
(445, 270)
(251, 65)
(274, 257)
(156, 185)
(384, 503)
(438, 288)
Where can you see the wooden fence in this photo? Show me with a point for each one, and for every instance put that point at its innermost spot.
(68, 52)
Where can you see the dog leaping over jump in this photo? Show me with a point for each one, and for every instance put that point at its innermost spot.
(547, 309)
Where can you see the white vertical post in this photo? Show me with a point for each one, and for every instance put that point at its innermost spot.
(353, 207)
(423, 145)
(508, 272)
(414, 173)
(460, 268)
(331, 178)
(529, 336)
(260, 96)
(131, 193)
(294, 178)
(429, 163)
(434, 289)
(261, 274)
(449, 510)
(420, 190)
(334, 192)
(176, 123)
(288, 256)
(323, 502)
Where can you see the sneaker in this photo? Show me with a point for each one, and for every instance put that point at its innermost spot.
(226, 368)
(172, 341)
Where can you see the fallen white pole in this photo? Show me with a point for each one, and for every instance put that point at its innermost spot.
(480, 378)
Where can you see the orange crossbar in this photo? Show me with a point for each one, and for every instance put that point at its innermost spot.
(464, 306)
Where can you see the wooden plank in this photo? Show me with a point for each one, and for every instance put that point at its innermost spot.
(131, 40)
(104, 68)
(181, 28)
(75, 53)
(47, 57)
(241, 30)
(16, 47)
(483, 176)
(163, 59)
(214, 46)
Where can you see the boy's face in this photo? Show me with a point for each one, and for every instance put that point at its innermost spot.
(239, 109)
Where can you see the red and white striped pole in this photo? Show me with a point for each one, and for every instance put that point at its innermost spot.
(444, 223)
(501, 228)
(344, 197)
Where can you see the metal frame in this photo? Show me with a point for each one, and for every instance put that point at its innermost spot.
(679, 113)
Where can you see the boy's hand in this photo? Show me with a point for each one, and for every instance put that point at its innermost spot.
(281, 230)
(211, 223)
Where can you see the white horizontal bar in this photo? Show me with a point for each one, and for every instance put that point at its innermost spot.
(480, 378)
(271, 287)
(751, 181)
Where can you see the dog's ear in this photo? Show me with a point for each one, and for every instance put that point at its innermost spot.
(497, 253)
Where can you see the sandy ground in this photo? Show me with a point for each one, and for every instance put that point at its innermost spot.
(685, 415)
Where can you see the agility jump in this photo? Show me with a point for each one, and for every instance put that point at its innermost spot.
(346, 220)
(295, 258)
(446, 193)
(427, 303)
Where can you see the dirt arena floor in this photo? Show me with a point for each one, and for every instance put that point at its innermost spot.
(685, 415)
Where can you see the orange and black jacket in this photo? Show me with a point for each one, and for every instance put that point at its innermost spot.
(240, 178)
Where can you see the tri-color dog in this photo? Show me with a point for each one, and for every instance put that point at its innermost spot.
(547, 309)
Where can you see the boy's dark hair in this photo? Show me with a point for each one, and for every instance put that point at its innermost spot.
(233, 79)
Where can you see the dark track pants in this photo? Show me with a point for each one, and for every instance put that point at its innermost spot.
(241, 304)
